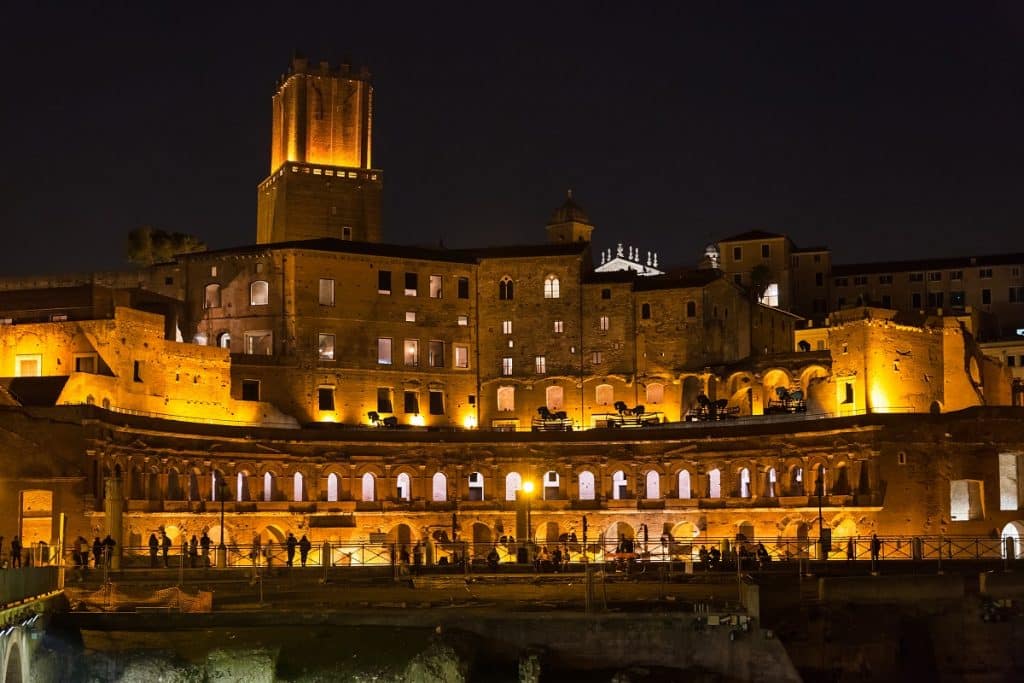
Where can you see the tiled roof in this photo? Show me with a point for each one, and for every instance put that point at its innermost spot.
(752, 235)
(927, 264)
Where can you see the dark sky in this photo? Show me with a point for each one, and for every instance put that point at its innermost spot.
(881, 130)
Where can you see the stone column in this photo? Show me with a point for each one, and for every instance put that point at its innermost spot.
(113, 512)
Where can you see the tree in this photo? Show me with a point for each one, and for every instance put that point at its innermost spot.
(760, 277)
(147, 245)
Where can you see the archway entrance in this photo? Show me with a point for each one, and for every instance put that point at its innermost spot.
(1012, 536)
(482, 539)
(12, 673)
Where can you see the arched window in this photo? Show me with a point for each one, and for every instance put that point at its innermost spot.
(772, 481)
(268, 487)
(513, 484)
(796, 480)
(618, 485)
(804, 345)
(332, 488)
(505, 288)
(369, 488)
(299, 492)
(212, 297)
(404, 487)
(551, 485)
(554, 396)
(691, 309)
(587, 485)
(684, 484)
(506, 399)
(440, 488)
(215, 485)
(551, 287)
(653, 485)
(173, 485)
(744, 482)
(821, 481)
(241, 487)
(714, 484)
(476, 486)
(224, 340)
(259, 293)
(605, 395)
(655, 393)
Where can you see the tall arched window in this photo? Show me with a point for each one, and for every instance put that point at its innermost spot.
(268, 487)
(440, 488)
(476, 486)
(551, 485)
(554, 396)
(744, 482)
(684, 484)
(369, 488)
(224, 340)
(513, 484)
(212, 297)
(551, 287)
(587, 485)
(259, 293)
(653, 485)
(332, 488)
(655, 393)
(604, 395)
(506, 399)
(714, 484)
(618, 485)
(404, 486)
(300, 489)
(241, 487)
(772, 481)
(505, 288)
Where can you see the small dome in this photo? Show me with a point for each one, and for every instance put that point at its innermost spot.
(569, 212)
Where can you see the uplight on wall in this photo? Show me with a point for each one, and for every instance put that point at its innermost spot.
(469, 422)
(416, 420)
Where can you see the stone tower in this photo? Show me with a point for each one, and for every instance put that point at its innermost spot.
(321, 181)
(569, 223)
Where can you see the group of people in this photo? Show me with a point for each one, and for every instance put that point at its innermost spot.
(162, 545)
(100, 551)
(714, 558)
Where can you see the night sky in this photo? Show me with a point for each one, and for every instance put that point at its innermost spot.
(883, 132)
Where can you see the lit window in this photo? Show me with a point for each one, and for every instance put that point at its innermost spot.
(213, 271)
(461, 356)
(325, 398)
(506, 367)
(212, 298)
(655, 393)
(259, 293)
(259, 343)
(965, 500)
(506, 399)
(597, 358)
(771, 295)
(551, 287)
(384, 351)
(435, 353)
(410, 316)
(28, 365)
(326, 346)
(411, 284)
(935, 276)
(506, 327)
(604, 395)
(603, 323)
(555, 398)
(540, 364)
(1009, 480)
(412, 352)
(435, 286)
(462, 320)
(326, 292)
(558, 327)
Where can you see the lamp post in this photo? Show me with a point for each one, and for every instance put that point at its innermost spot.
(222, 550)
(528, 490)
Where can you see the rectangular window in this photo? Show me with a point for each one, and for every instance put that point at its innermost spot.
(1009, 481)
(435, 353)
(463, 287)
(213, 271)
(847, 394)
(384, 350)
(766, 251)
(915, 301)
(383, 281)
(326, 291)
(410, 316)
(886, 301)
(325, 346)
(559, 327)
(411, 402)
(325, 398)
(885, 279)
(957, 299)
(935, 299)
(250, 390)
(86, 363)
(346, 233)
(603, 323)
(462, 320)
(935, 276)
(435, 286)
(412, 352)
(436, 403)
(606, 294)
(411, 284)
(819, 279)
(1011, 361)
(956, 275)
(259, 343)
(965, 500)
(384, 404)
(737, 253)
(461, 354)
(259, 293)
(506, 327)
(1017, 295)
(506, 399)
(597, 358)
(985, 273)
(860, 280)
(540, 364)
(986, 296)
(28, 365)
(506, 367)
(917, 277)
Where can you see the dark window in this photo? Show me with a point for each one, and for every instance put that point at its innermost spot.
(848, 393)
(935, 299)
(412, 402)
(691, 309)
(384, 400)
(1010, 361)
(737, 278)
(819, 279)
(737, 253)
(472, 399)
(435, 354)
(383, 281)
(168, 280)
(645, 311)
(411, 284)
(325, 398)
(766, 251)
(505, 289)
(840, 302)
(915, 301)
(986, 296)
(436, 403)
(250, 390)
(886, 301)
(137, 376)
(606, 294)
(463, 288)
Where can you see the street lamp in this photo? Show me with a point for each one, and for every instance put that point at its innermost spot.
(528, 490)
(222, 550)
